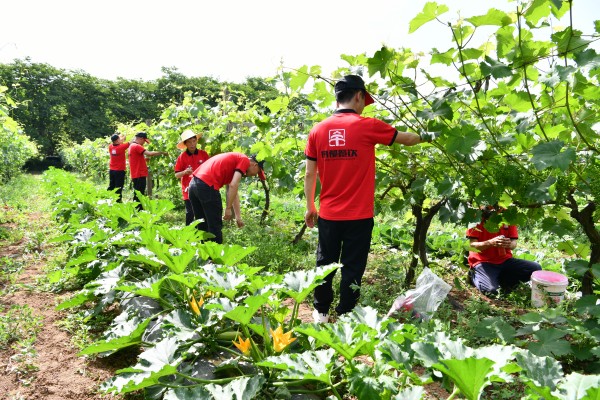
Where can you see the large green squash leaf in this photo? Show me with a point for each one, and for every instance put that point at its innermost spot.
(313, 365)
(470, 375)
(245, 388)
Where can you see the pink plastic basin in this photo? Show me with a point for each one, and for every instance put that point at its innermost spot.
(549, 277)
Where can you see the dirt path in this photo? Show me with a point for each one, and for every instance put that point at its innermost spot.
(53, 371)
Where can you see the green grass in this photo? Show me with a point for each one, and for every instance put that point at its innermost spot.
(17, 323)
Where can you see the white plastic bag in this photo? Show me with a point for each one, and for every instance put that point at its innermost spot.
(425, 299)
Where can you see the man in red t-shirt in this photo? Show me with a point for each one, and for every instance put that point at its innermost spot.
(190, 159)
(137, 163)
(492, 263)
(116, 165)
(212, 175)
(341, 151)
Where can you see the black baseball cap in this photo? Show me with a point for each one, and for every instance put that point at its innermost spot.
(353, 82)
(143, 135)
(261, 173)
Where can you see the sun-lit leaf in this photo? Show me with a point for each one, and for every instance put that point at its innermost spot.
(570, 41)
(148, 288)
(88, 255)
(470, 375)
(77, 300)
(379, 62)
(244, 388)
(297, 82)
(368, 382)
(191, 393)
(543, 371)
(224, 254)
(348, 339)
(154, 363)
(278, 104)
(112, 345)
(445, 58)
(299, 284)
(396, 354)
(411, 393)
(578, 386)
(492, 17)
(313, 365)
(243, 314)
(505, 41)
(431, 11)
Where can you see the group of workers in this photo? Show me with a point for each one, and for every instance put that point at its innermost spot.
(340, 153)
(201, 178)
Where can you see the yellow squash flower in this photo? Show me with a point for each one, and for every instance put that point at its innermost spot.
(196, 305)
(243, 345)
(281, 340)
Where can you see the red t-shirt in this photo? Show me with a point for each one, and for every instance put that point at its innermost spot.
(187, 159)
(343, 146)
(117, 156)
(492, 255)
(218, 170)
(137, 162)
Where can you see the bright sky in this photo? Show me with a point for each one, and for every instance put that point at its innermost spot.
(226, 39)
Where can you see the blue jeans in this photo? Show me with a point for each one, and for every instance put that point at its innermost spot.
(488, 278)
(207, 204)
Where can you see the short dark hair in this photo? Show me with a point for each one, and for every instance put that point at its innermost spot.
(346, 95)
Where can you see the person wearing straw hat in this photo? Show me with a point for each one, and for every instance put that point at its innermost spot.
(138, 168)
(226, 169)
(117, 164)
(190, 158)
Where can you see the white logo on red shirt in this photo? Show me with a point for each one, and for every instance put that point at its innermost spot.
(337, 137)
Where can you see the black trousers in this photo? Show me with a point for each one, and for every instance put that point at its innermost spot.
(488, 278)
(116, 180)
(139, 184)
(207, 204)
(346, 242)
(189, 213)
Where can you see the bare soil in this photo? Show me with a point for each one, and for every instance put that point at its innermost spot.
(58, 373)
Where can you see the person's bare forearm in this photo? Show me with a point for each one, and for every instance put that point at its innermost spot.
(236, 207)
(498, 241)
(155, 153)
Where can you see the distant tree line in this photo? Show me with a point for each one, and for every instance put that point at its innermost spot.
(57, 106)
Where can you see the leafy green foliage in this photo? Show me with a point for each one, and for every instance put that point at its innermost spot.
(513, 126)
(18, 323)
(16, 148)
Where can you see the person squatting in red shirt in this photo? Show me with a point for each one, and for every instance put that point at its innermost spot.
(492, 265)
(190, 158)
(341, 152)
(216, 172)
(137, 163)
(117, 165)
